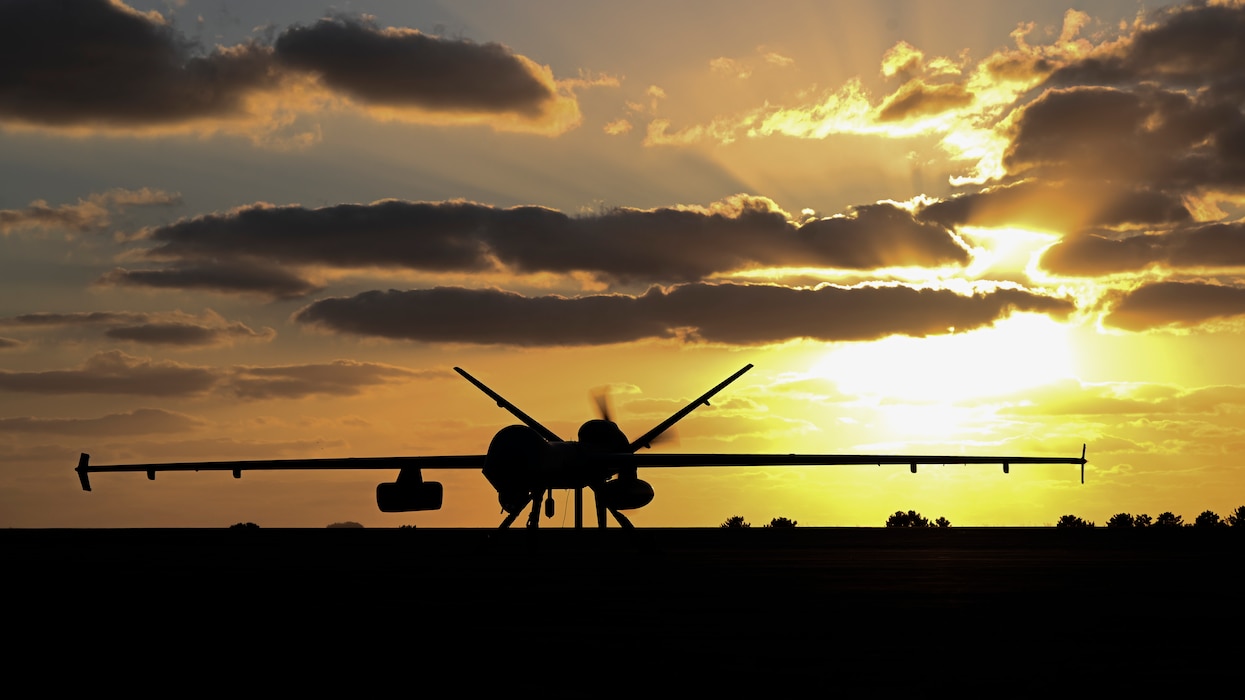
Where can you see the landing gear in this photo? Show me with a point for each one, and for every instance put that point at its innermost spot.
(533, 518)
(622, 520)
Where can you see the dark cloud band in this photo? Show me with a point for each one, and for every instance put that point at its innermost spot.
(117, 373)
(171, 329)
(1176, 305)
(1203, 247)
(91, 63)
(242, 251)
(737, 314)
(404, 67)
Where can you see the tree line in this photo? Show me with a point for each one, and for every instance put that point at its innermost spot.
(1166, 519)
(737, 521)
(1207, 519)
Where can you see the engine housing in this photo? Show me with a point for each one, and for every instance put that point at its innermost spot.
(625, 494)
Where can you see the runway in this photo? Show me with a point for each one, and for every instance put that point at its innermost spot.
(1008, 611)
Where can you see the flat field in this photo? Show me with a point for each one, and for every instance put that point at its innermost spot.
(1008, 612)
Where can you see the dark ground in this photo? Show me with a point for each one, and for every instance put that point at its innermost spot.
(557, 613)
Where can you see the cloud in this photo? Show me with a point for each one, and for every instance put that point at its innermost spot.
(1156, 104)
(93, 213)
(953, 98)
(99, 64)
(171, 328)
(1160, 108)
(248, 246)
(144, 421)
(235, 278)
(732, 314)
(1059, 207)
(1074, 398)
(1220, 245)
(1193, 45)
(617, 127)
(746, 67)
(1128, 148)
(338, 378)
(407, 71)
(1175, 304)
(114, 372)
(1158, 138)
(6, 343)
(404, 67)
(917, 99)
(181, 333)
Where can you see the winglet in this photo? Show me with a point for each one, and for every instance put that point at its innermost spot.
(646, 438)
(83, 473)
(514, 410)
(1082, 463)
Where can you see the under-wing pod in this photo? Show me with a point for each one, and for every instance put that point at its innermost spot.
(624, 494)
(398, 497)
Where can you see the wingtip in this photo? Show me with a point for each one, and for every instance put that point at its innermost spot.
(84, 474)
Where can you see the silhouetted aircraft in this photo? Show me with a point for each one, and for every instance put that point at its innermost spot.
(525, 463)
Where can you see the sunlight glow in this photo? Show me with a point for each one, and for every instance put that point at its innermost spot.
(1024, 351)
(1006, 250)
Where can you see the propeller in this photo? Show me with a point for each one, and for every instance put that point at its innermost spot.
(602, 398)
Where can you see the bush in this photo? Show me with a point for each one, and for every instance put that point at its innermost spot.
(1168, 519)
(1072, 521)
(736, 521)
(1121, 520)
(1237, 518)
(909, 519)
(1208, 519)
(781, 522)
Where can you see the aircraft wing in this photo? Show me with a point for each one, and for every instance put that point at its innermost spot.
(85, 469)
(815, 460)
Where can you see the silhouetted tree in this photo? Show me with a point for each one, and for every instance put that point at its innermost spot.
(942, 522)
(1142, 520)
(1168, 519)
(244, 526)
(406, 527)
(736, 521)
(781, 522)
(1237, 517)
(909, 519)
(347, 523)
(1121, 520)
(1072, 521)
(1208, 519)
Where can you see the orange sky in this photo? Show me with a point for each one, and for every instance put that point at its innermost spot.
(255, 231)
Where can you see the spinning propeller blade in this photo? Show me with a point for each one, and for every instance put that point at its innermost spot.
(601, 397)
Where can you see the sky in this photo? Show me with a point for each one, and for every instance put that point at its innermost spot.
(270, 230)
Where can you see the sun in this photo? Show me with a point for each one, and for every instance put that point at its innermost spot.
(1017, 353)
